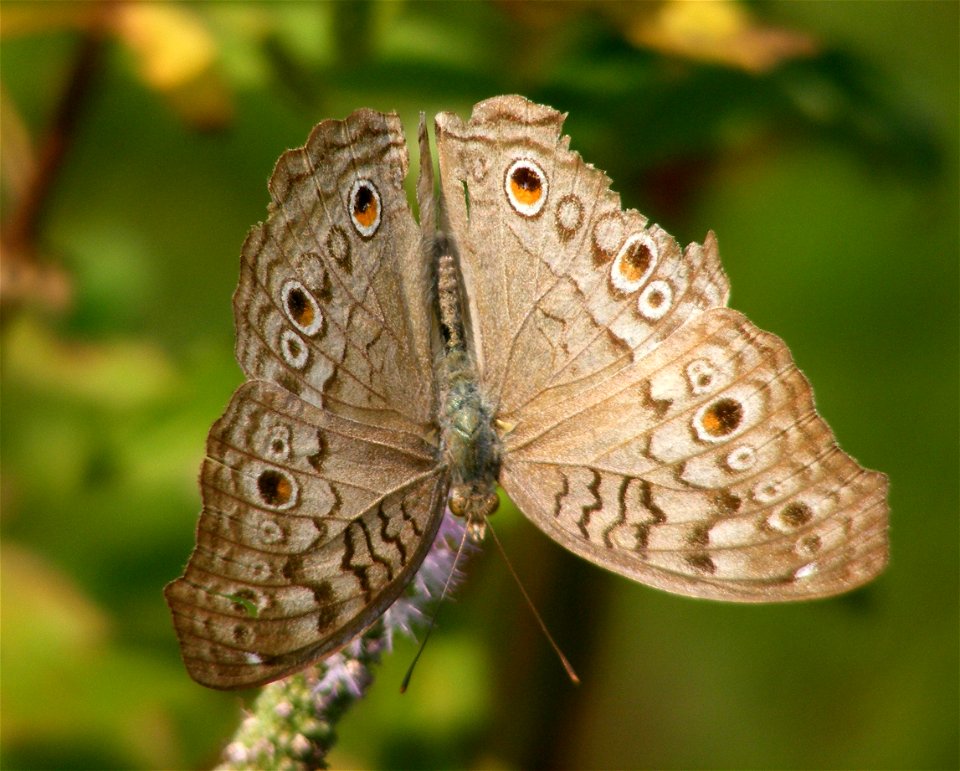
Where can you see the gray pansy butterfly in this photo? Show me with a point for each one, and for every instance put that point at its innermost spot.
(543, 339)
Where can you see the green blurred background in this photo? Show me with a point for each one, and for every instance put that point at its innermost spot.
(819, 140)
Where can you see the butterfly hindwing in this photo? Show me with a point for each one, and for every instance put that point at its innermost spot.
(705, 470)
(311, 527)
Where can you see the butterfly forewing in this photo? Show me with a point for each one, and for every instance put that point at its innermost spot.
(547, 317)
(333, 302)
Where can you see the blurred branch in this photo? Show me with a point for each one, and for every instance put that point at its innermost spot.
(23, 226)
(21, 273)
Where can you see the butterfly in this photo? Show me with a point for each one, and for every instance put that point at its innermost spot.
(528, 333)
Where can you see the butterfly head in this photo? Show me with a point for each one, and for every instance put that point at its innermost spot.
(474, 501)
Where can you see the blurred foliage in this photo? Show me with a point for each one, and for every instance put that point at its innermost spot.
(818, 139)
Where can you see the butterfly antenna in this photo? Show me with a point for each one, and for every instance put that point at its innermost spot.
(436, 612)
(553, 644)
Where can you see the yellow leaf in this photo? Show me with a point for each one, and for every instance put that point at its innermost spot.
(171, 44)
(720, 31)
(177, 56)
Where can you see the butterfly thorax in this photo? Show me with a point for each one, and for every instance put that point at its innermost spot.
(469, 443)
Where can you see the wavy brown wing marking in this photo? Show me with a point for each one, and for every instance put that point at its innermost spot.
(565, 287)
(333, 301)
(704, 469)
(311, 527)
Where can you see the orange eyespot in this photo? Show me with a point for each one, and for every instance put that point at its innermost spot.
(634, 263)
(526, 187)
(722, 417)
(275, 488)
(301, 307)
(365, 207)
(301, 311)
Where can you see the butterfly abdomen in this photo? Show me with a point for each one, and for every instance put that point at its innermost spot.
(470, 444)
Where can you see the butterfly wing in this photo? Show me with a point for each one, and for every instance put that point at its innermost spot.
(311, 527)
(333, 302)
(648, 429)
(704, 469)
(321, 489)
(545, 317)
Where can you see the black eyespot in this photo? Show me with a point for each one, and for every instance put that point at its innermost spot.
(722, 417)
(362, 200)
(300, 308)
(796, 514)
(275, 488)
